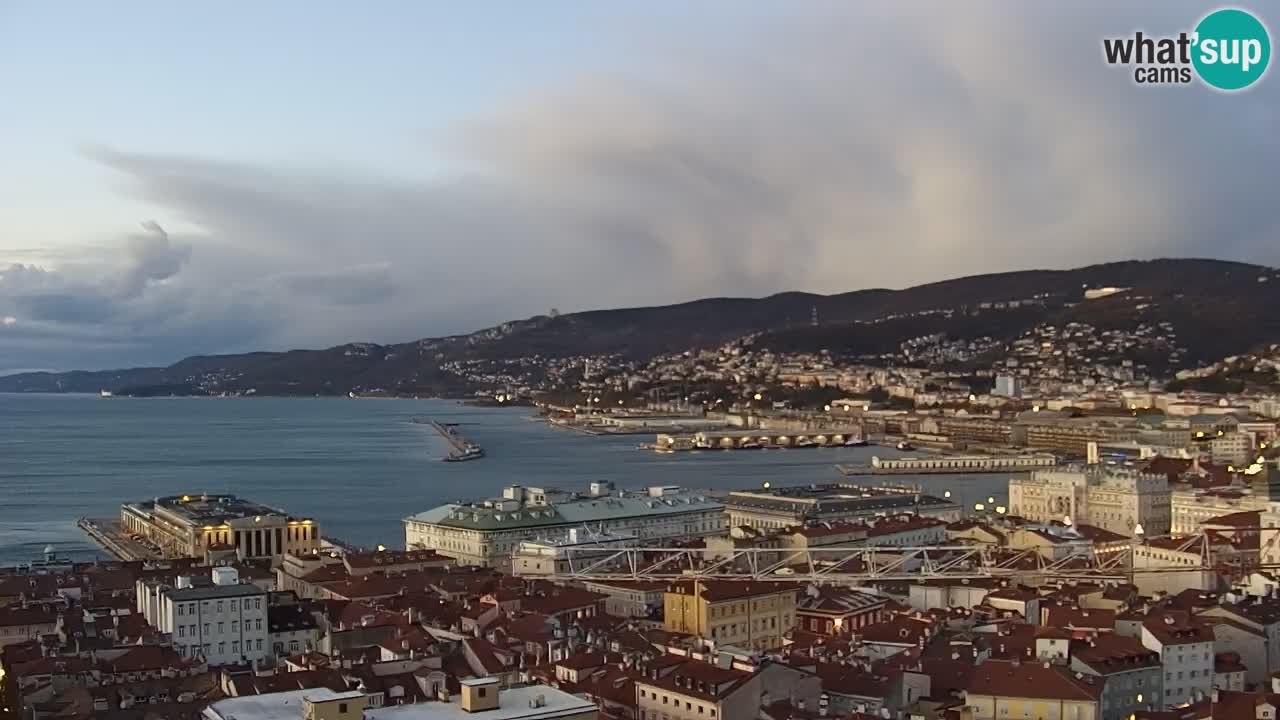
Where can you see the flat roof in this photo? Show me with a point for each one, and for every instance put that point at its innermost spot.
(206, 509)
(513, 704)
(215, 592)
(572, 513)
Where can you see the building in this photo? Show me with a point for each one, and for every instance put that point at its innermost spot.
(630, 598)
(219, 618)
(979, 430)
(1186, 651)
(838, 612)
(697, 691)
(811, 504)
(1002, 689)
(1009, 386)
(219, 527)
(480, 698)
(750, 615)
(488, 533)
(20, 624)
(552, 557)
(1114, 499)
(1131, 674)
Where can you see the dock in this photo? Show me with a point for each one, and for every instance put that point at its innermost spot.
(463, 449)
(756, 439)
(111, 537)
(954, 465)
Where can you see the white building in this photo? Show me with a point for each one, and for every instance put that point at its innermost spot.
(1008, 386)
(488, 533)
(1186, 655)
(1114, 499)
(220, 619)
(480, 697)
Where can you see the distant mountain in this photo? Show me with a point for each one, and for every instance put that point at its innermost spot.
(1217, 308)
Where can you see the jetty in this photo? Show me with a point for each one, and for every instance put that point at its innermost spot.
(463, 449)
(953, 465)
(109, 535)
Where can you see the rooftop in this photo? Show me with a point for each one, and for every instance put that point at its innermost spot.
(208, 509)
(573, 512)
(512, 703)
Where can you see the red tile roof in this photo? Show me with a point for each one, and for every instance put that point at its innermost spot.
(1004, 678)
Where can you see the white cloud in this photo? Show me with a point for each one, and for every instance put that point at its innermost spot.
(850, 147)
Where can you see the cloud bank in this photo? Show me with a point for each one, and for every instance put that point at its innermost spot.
(850, 146)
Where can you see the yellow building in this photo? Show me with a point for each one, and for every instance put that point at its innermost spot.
(750, 615)
(1014, 690)
(215, 527)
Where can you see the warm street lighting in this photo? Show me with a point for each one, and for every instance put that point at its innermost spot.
(758, 396)
(979, 507)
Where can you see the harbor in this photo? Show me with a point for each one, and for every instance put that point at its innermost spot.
(110, 535)
(757, 439)
(953, 465)
(463, 449)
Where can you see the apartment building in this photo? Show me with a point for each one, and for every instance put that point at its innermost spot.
(1131, 674)
(694, 690)
(753, 616)
(1186, 651)
(1003, 689)
(218, 618)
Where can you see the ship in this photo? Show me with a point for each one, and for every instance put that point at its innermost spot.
(105, 393)
(750, 445)
(906, 446)
(470, 452)
(855, 442)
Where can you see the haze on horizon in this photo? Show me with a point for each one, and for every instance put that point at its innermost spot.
(186, 179)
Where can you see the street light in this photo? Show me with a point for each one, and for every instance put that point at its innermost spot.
(979, 507)
(946, 494)
(757, 396)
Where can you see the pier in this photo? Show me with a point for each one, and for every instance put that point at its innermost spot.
(755, 439)
(954, 465)
(463, 449)
(112, 537)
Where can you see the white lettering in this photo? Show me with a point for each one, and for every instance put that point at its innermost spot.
(1209, 51)
(1252, 54)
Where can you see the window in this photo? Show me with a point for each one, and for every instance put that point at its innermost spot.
(481, 691)
(182, 609)
(666, 699)
(206, 628)
(235, 646)
(259, 643)
(235, 626)
(342, 707)
(257, 624)
(257, 603)
(182, 631)
(219, 608)
(221, 627)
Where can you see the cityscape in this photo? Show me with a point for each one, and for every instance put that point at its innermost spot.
(823, 360)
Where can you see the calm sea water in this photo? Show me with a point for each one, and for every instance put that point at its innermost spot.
(357, 466)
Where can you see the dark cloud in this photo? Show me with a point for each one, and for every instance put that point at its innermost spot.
(851, 145)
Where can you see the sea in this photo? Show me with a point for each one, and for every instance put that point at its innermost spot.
(358, 466)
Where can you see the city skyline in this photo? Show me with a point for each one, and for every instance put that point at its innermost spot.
(311, 176)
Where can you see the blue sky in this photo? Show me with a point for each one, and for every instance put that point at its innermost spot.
(300, 83)
(188, 178)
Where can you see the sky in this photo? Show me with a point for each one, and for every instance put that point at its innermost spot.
(183, 178)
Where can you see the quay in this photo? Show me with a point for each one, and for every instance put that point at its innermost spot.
(755, 439)
(953, 465)
(463, 449)
(111, 536)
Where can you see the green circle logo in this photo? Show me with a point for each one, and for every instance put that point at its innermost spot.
(1232, 49)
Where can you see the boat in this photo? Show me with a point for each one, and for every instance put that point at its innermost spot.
(105, 393)
(805, 443)
(855, 442)
(905, 446)
(470, 452)
(750, 445)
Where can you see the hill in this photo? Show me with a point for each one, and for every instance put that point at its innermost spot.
(1218, 308)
